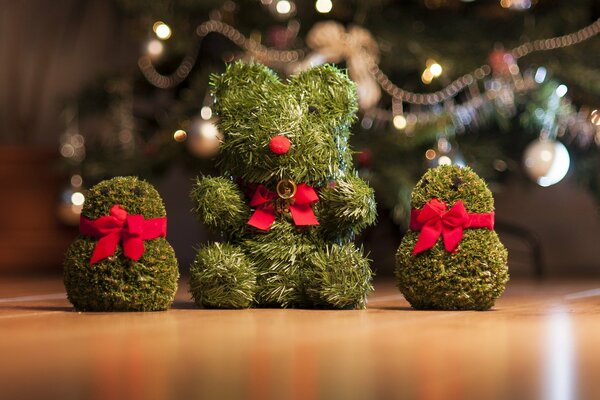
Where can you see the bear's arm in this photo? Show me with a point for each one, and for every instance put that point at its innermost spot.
(346, 208)
(220, 204)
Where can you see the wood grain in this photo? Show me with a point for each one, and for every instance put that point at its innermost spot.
(540, 341)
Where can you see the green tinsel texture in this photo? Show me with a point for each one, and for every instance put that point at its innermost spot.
(314, 110)
(472, 277)
(281, 255)
(347, 208)
(222, 277)
(286, 266)
(118, 283)
(338, 276)
(220, 203)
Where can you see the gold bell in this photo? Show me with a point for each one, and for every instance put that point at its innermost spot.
(286, 189)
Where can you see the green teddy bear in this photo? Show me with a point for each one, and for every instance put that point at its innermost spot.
(121, 261)
(288, 203)
(451, 258)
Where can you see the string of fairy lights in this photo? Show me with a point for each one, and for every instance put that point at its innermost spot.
(433, 69)
(183, 70)
(501, 78)
(496, 82)
(401, 98)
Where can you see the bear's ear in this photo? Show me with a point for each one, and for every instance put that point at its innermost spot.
(241, 85)
(327, 91)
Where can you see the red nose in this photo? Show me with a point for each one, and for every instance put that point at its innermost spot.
(280, 144)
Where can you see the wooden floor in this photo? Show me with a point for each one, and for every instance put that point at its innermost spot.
(542, 341)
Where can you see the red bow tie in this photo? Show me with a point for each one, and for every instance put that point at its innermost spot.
(433, 220)
(131, 230)
(300, 207)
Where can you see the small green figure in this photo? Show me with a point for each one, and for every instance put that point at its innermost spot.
(121, 261)
(288, 203)
(451, 257)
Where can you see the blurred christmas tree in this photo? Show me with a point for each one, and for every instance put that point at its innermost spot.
(440, 81)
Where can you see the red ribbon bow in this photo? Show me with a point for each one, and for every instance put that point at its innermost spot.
(434, 220)
(119, 226)
(264, 215)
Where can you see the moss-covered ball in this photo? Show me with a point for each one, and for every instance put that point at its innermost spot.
(284, 159)
(118, 283)
(472, 276)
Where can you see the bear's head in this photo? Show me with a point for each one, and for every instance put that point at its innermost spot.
(134, 195)
(450, 183)
(273, 130)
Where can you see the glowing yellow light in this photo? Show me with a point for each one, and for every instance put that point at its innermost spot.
(427, 76)
(180, 135)
(77, 198)
(444, 160)
(399, 122)
(155, 48)
(208, 130)
(430, 154)
(323, 6)
(505, 3)
(595, 117)
(435, 69)
(283, 7)
(162, 30)
(206, 112)
(513, 69)
(546, 155)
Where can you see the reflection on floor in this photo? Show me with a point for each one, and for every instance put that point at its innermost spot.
(540, 341)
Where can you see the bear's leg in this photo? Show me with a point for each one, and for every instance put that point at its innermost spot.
(222, 276)
(338, 276)
(279, 277)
